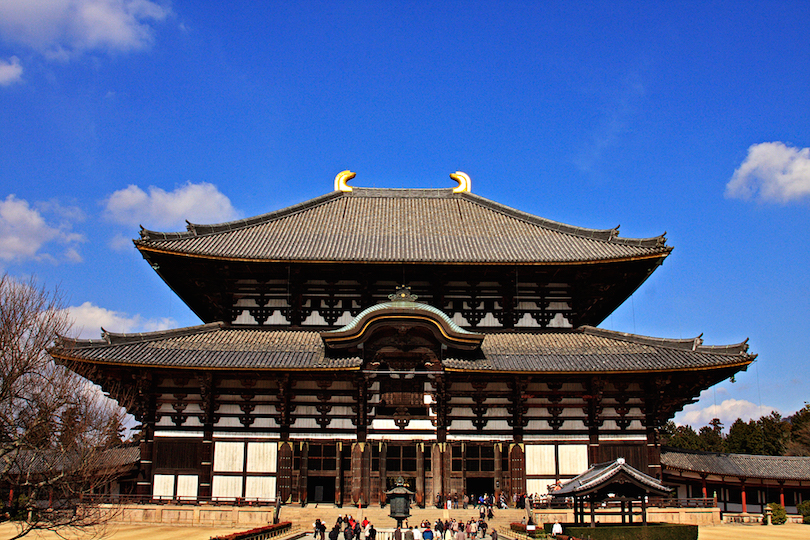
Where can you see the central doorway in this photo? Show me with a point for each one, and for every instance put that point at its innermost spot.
(321, 489)
(477, 486)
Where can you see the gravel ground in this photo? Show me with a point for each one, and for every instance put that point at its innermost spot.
(788, 531)
(131, 532)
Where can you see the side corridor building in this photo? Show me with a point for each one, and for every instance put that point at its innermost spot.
(370, 334)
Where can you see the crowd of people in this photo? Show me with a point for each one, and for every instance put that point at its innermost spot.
(347, 528)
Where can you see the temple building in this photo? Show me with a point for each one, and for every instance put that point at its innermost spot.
(370, 334)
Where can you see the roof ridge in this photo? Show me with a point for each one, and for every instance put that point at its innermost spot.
(607, 235)
(112, 338)
(694, 344)
(674, 450)
(196, 229)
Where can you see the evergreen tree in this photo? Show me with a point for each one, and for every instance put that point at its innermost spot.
(744, 438)
(711, 436)
(775, 434)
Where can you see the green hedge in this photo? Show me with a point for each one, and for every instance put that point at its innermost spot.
(538, 532)
(619, 531)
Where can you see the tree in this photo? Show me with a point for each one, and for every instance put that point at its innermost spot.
(775, 434)
(799, 443)
(711, 436)
(54, 425)
(683, 437)
(744, 438)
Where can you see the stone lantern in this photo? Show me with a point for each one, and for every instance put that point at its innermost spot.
(399, 499)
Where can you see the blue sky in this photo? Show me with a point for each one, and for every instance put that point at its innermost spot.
(659, 116)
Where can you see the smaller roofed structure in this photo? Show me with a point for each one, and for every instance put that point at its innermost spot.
(614, 480)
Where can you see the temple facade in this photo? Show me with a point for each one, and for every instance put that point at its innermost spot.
(370, 334)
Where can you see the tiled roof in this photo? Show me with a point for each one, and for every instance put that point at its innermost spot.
(410, 225)
(737, 465)
(590, 349)
(218, 346)
(211, 346)
(602, 474)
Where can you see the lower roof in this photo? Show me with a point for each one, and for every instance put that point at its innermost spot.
(737, 465)
(219, 346)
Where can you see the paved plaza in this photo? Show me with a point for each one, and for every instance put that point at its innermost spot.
(789, 531)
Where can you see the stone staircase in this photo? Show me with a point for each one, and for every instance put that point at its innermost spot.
(306, 516)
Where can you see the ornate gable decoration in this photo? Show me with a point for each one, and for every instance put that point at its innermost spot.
(403, 311)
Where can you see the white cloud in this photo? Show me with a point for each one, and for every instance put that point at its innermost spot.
(10, 71)
(772, 171)
(727, 411)
(198, 203)
(24, 232)
(88, 319)
(63, 28)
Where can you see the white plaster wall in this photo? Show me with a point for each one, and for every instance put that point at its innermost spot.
(163, 486)
(260, 487)
(187, 486)
(573, 458)
(229, 456)
(261, 457)
(226, 487)
(540, 459)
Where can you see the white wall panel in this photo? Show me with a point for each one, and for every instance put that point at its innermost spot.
(260, 487)
(261, 457)
(163, 486)
(573, 458)
(537, 485)
(540, 459)
(226, 487)
(187, 486)
(229, 456)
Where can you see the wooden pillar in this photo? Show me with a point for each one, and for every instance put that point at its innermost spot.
(148, 419)
(206, 381)
(782, 493)
(339, 475)
(592, 501)
(383, 487)
(624, 511)
(420, 475)
(703, 486)
(303, 476)
(361, 473)
(744, 501)
(644, 510)
(499, 473)
(631, 511)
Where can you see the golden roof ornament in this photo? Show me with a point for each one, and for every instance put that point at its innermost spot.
(341, 181)
(463, 182)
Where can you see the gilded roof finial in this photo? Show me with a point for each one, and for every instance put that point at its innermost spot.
(403, 294)
(463, 182)
(341, 180)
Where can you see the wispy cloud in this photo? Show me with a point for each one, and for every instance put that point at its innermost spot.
(727, 411)
(10, 71)
(24, 231)
(65, 28)
(772, 171)
(198, 203)
(608, 130)
(88, 319)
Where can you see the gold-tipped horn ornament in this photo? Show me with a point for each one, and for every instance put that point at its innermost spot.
(342, 179)
(463, 182)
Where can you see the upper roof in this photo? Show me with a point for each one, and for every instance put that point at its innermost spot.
(580, 351)
(738, 465)
(402, 225)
